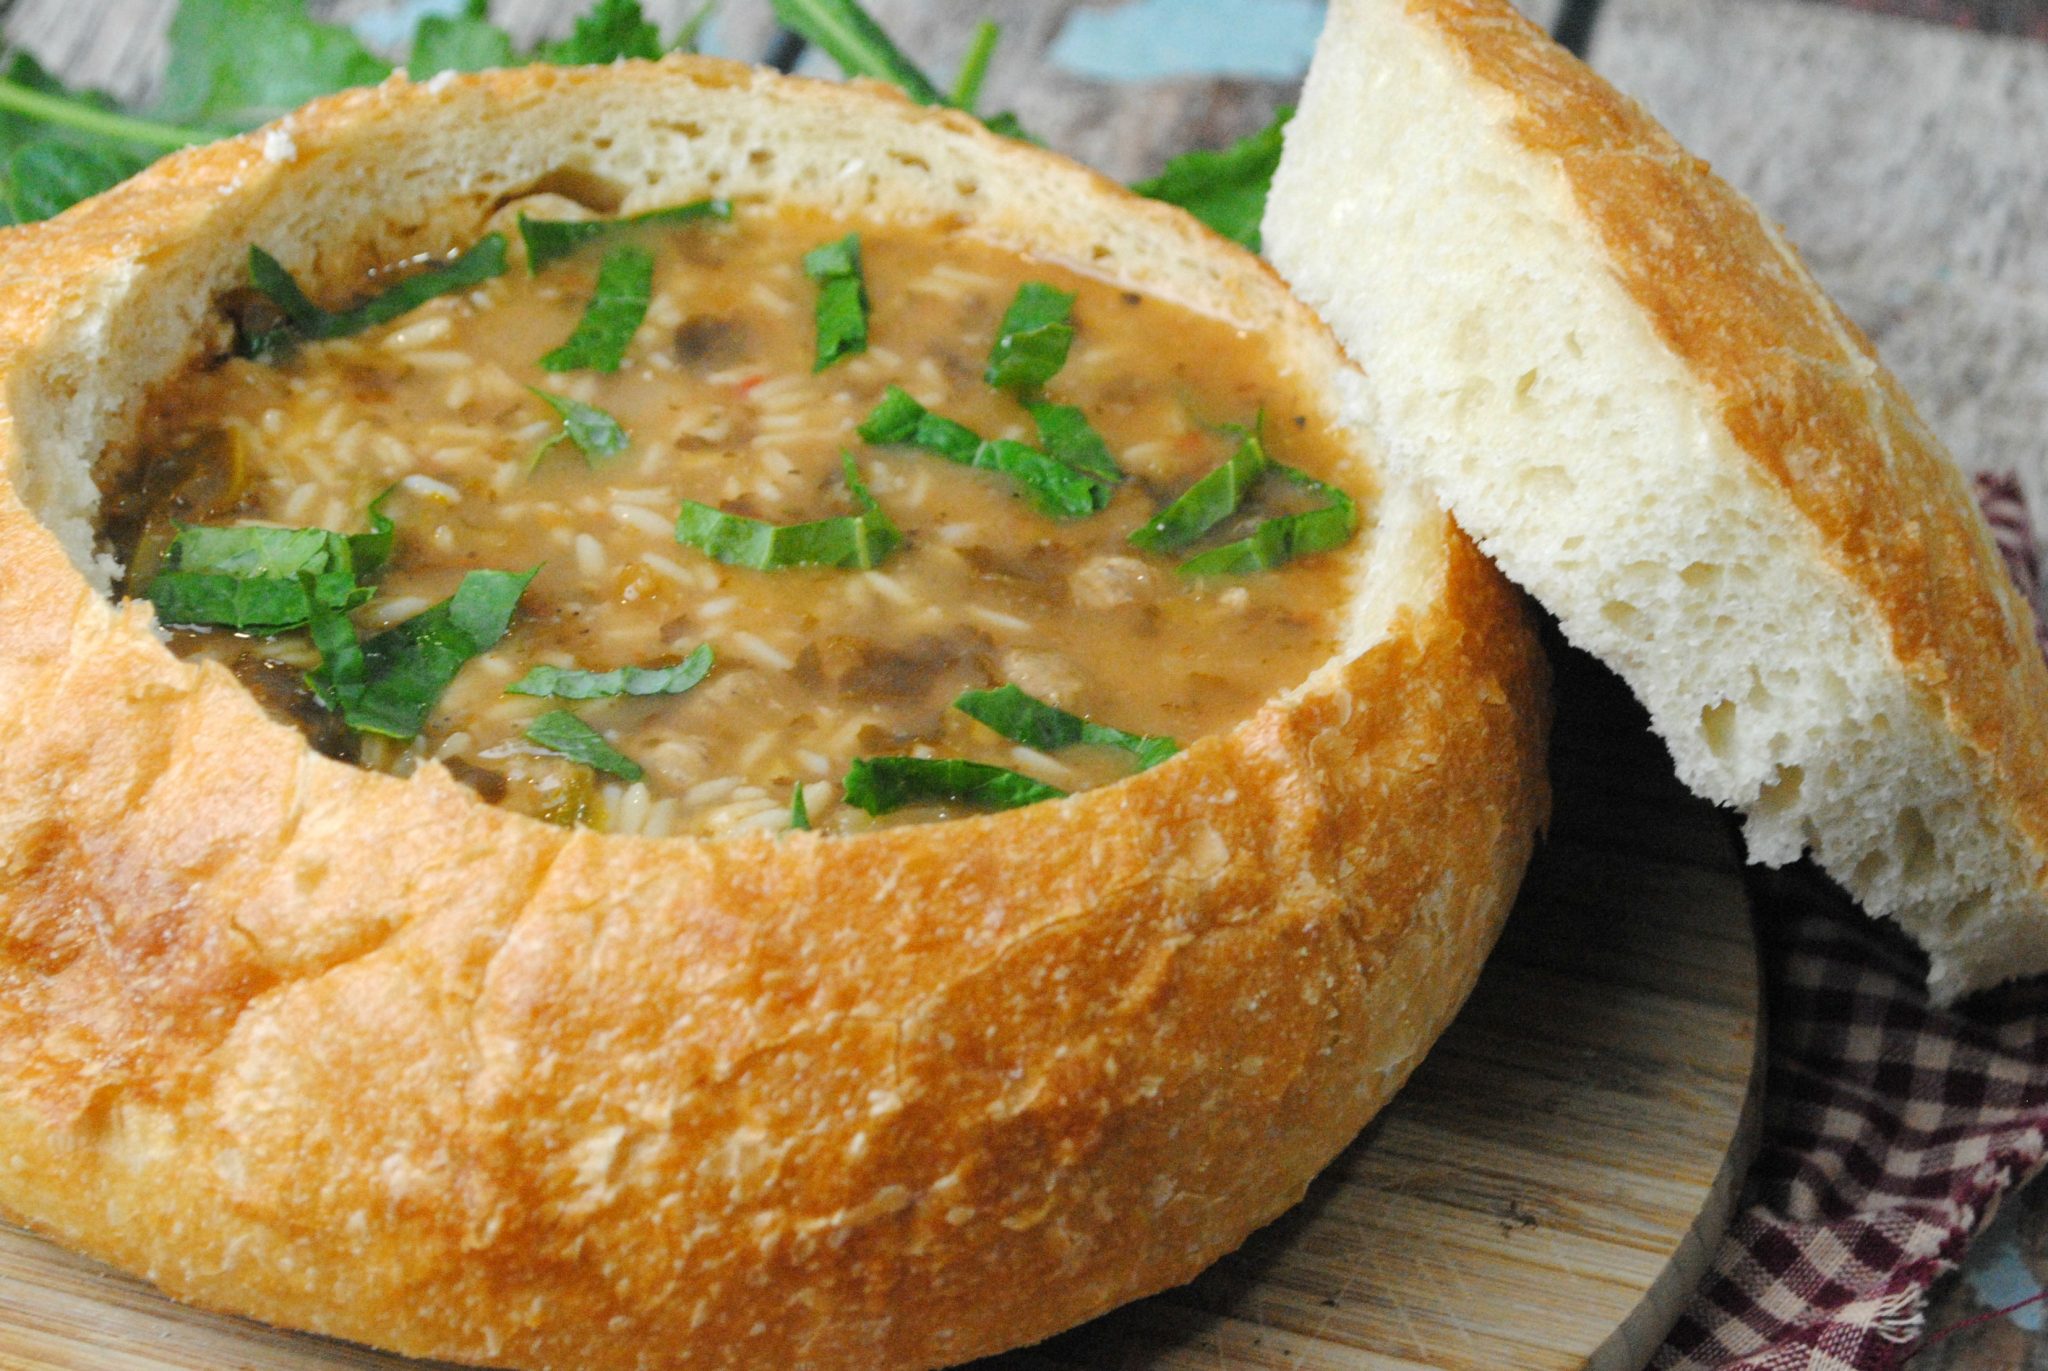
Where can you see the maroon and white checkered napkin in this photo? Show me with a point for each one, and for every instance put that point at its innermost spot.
(1891, 1128)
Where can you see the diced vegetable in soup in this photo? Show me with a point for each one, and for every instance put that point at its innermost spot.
(718, 519)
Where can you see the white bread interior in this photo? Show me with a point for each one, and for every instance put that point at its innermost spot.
(1529, 273)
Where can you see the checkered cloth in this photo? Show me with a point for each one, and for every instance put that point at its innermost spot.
(1891, 1128)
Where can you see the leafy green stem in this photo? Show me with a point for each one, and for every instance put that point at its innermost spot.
(857, 43)
(974, 67)
(75, 114)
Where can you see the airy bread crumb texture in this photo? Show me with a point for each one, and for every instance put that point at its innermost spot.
(1624, 384)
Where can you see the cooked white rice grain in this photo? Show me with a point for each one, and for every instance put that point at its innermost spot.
(418, 334)
(667, 566)
(767, 818)
(760, 651)
(996, 619)
(756, 751)
(710, 792)
(393, 454)
(439, 359)
(384, 613)
(661, 818)
(427, 488)
(771, 300)
(1031, 759)
(1150, 456)
(889, 588)
(959, 280)
(292, 509)
(777, 392)
(629, 810)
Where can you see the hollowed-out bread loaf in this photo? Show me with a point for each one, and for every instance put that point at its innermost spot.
(1624, 383)
(370, 1057)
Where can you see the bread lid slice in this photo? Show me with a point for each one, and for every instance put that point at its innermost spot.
(1624, 383)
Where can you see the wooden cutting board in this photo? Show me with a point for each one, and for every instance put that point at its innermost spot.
(1543, 1194)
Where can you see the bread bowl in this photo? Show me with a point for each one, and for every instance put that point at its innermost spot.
(370, 1057)
(1621, 379)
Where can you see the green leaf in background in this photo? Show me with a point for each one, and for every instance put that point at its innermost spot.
(1208, 502)
(560, 683)
(550, 240)
(562, 732)
(1024, 719)
(235, 63)
(881, 785)
(595, 433)
(981, 50)
(1276, 542)
(693, 28)
(842, 312)
(1033, 339)
(48, 177)
(625, 285)
(1225, 190)
(27, 74)
(611, 30)
(863, 540)
(59, 146)
(845, 32)
(307, 320)
(390, 684)
(458, 42)
(1008, 126)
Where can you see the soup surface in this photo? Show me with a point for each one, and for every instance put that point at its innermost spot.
(721, 406)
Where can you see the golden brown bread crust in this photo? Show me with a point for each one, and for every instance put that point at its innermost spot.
(369, 1057)
(1803, 391)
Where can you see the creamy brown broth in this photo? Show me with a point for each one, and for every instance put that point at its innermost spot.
(815, 667)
